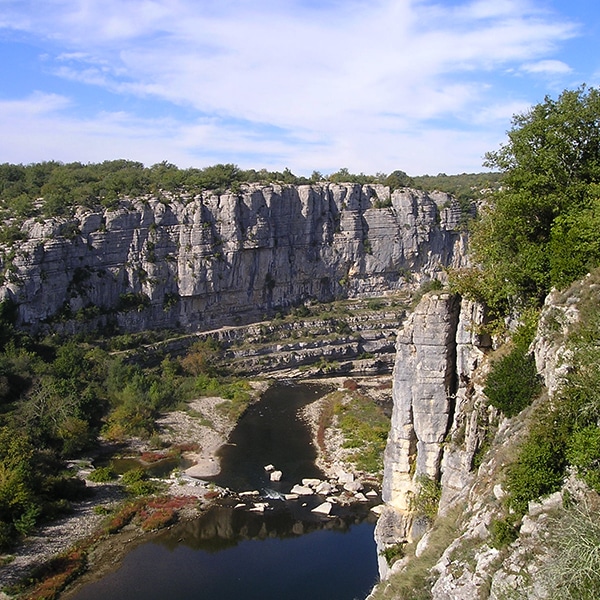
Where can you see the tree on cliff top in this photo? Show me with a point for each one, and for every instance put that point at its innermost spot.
(540, 229)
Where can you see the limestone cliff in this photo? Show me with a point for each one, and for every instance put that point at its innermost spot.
(436, 426)
(210, 260)
(444, 430)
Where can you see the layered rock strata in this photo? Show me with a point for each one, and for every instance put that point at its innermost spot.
(212, 260)
(466, 446)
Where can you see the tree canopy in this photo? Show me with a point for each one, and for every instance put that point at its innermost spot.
(540, 230)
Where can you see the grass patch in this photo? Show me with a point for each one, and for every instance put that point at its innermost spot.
(365, 428)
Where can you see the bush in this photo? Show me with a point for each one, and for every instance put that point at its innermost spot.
(393, 553)
(427, 499)
(513, 382)
(540, 466)
(583, 452)
(502, 533)
(102, 475)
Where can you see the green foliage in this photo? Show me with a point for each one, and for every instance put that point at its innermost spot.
(102, 475)
(502, 533)
(513, 382)
(398, 179)
(538, 229)
(427, 499)
(393, 553)
(465, 186)
(133, 301)
(365, 428)
(540, 466)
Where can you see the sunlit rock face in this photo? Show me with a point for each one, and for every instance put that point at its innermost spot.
(439, 417)
(212, 260)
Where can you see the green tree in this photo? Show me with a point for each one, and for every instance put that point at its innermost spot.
(547, 205)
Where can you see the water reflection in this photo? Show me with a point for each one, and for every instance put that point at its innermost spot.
(230, 554)
(224, 527)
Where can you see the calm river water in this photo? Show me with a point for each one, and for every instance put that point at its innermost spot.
(229, 553)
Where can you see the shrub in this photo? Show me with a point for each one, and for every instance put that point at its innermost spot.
(393, 553)
(502, 533)
(513, 381)
(540, 466)
(102, 475)
(427, 499)
(583, 452)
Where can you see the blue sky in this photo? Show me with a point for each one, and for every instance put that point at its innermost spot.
(425, 86)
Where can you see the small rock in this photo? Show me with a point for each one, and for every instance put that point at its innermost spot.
(353, 486)
(324, 488)
(371, 494)
(276, 475)
(269, 468)
(528, 526)
(361, 497)
(377, 509)
(499, 493)
(313, 483)
(344, 476)
(323, 509)
(302, 490)
(250, 493)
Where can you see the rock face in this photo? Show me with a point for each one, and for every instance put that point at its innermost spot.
(437, 352)
(444, 429)
(214, 260)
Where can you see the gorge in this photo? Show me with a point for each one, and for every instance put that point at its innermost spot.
(247, 268)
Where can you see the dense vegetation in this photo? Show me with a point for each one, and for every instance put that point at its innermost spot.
(540, 229)
(58, 395)
(538, 232)
(52, 188)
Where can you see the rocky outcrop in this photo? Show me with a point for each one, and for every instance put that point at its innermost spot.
(449, 433)
(211, 260)
(435, 429)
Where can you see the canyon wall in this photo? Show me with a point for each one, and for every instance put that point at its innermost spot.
(210, 260)
(438, 423)
(446, 437)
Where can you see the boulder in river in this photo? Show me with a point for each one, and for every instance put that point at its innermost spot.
(323, 509)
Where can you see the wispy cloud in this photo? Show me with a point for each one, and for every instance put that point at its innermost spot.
(369, 84)
(549, 67)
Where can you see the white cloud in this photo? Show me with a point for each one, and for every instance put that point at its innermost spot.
(364, 84)
(547, 67)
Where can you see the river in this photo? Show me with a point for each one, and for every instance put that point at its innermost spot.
(285, 552)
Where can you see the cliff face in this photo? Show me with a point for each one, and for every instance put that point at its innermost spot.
(443, 430)
(438, 423)
(213, 260)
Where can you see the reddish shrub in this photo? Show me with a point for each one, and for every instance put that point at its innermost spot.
(188, 447)
(155, 519)
(151, 457)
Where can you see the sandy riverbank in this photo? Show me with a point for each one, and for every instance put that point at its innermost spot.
(202, 424)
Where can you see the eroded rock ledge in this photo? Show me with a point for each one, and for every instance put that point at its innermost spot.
(211, 260)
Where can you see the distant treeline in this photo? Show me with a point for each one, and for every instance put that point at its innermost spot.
(54, 188)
